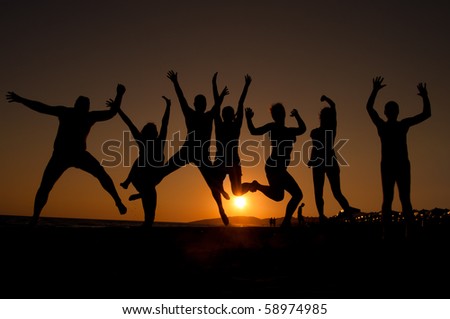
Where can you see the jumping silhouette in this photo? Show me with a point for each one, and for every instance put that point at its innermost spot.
(69, 149)
(323, 160)
(143, 174)
(195, 149)
(282, 142)
(395, 165)
(228, 130)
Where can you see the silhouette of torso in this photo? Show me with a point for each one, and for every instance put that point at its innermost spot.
(227, 136)
(323, 143)
(73, 130)
(394, 148)
(282, 141)
(199, 130)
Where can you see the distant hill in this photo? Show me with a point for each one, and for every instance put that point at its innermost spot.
(239, 221)
(234, 221)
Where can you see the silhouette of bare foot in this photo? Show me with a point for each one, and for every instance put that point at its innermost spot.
(224, 218)
(122, 208)
(253, 186)
(124, 184)
(134, 197)
(225, 194)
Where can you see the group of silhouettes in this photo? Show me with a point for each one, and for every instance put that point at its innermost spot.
(151, 167)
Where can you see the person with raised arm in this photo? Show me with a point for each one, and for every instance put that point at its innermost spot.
(69, 148)
(324, 162)
(228, 130)
(395, 164)
(143, 174)
(196, 147)
(282, 140)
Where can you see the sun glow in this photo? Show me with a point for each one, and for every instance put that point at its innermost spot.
(240, 202)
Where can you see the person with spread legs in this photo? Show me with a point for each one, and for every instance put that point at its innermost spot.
(282, 140)
(69, 149)
(143, 174)
(228, 130)
(196, 148)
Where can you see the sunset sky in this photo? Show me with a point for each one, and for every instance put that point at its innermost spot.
(295, 51)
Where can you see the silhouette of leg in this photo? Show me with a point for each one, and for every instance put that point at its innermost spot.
(388, 177)
(271, 191)
(216, 187)
(130, 176)
(149, 201)
(178, 160)
(318, 173)
(333, 174)
(292, 188)
(404, 191)
(235, 175)
(88, 163)
(301, 219)
(55, 168)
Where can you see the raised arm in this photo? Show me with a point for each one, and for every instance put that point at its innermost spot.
(173, 76)
(215, 110)
(252, 129)
(165, 120)
(330, 102)
(301, 124)
(426, 112)
(114, 105)
(35, 105)
(377, 86)
(215, 90)
(332, 105)
(240, 108)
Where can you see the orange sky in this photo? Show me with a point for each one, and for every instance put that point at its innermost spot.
(295, 51)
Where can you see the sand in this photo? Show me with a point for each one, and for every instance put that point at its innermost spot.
(124, 261)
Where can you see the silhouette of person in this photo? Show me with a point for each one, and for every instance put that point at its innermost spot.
(228, 130)
(395, 165)
(69, 149)
(323, 160)
(282, 142)
(143, 173)
(195, 149)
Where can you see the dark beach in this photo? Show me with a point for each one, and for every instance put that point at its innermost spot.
(122, 260)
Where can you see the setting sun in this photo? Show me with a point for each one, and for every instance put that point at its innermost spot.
(240, 202)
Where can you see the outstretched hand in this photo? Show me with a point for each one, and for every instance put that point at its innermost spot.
(294, 113)
(422, 87)
(12, 97)
(225, 91)
(248, 79)
(323, 98)
(120, 89)
(378, 83)
(168, 101)
(249, 113)
(110, 103)
(172, 75)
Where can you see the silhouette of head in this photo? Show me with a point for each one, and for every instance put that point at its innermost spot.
(200, 103)
(326, 117)
(278, 112)
(82, 104)
(391, 110)
(149, 131)
(228, 114)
